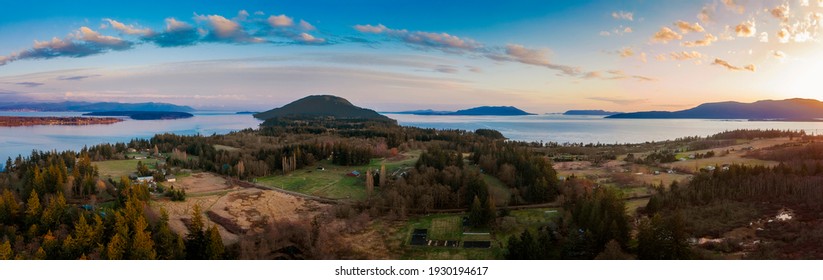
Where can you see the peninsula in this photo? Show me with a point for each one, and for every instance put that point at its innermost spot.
(9, 121)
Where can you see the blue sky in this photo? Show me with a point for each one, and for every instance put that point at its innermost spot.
(542, 56)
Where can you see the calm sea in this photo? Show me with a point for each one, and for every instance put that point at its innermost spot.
(554, 128)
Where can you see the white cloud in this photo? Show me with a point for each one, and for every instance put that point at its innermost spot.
(280, 21)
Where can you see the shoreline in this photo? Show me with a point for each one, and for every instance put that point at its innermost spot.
(16, 121)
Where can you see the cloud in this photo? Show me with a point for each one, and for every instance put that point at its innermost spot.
(83, 42)
(661, 57)
(686, 27)
(781, 12)
(707, 40)
(623, 15)
(128, 29)
(685, 55)
(446, 69)
(538, 57)
(29, 84)
(665, 35)
(280, 21)
(734, 6)
(441, 41)
(306, 26)
(76, 78)
(746, 29)
(226, 30)
(642, 57)
(627, 30)
(764, 37)
(259, 13)
(242, 15)
(605, 33)
(618, 100)
(706, 14)
(176, 34)
(779, 54)
(308, 39)
(726, 64)
(626, 52)
(783, 35)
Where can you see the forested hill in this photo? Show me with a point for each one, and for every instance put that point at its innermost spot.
(789, 109)
(74, 106)
(315, 106)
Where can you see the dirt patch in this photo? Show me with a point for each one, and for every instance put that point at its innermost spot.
(235, 211)
(251, 209)
(572, 165)
(200, 183)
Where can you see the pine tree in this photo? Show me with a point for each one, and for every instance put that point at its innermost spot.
(116, 248)
(214, 245)
(33, 209)
(142, 247)
(5, 251)
(196, 239)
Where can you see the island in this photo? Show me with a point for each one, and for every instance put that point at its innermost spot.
(12, 121)
(476, 111)
(82, 106)
(773, 110)
(590, 113)
(143, 115)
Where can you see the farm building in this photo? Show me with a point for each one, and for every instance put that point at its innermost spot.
(171, 178)
(354, 174)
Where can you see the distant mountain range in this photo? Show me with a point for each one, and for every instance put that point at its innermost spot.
(321, 106)
(789, 109)
(590, 113)
(477, 111)
(75, 106)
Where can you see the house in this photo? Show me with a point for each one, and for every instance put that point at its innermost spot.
(354, 174)
(321, 168)
(171, 178)
(145, 179)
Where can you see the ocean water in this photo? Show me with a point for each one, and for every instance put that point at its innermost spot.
(596, 129)
(545, 128)
(22, 140)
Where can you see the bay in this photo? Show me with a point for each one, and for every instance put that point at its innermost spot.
(536, 128)
(22, 140)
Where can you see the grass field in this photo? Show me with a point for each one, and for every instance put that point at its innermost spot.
(632, 205)
(445, 227)
(117, 168)
(225, 148)
(333, 182)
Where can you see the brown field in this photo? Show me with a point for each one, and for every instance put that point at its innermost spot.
(735, 156)
(201, 183)
(234, 210)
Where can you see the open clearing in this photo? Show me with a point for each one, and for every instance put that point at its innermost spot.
(234, 210)
(118, 168)
(332, 181)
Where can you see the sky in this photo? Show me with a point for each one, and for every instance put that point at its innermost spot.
(541, 56)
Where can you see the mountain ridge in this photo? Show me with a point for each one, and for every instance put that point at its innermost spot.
(787, 109)
(83, 106)
(476, 111)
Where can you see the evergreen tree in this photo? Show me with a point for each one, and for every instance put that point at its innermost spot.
(5, 251)
(142, 247)
(33, 208)
(214, 245)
